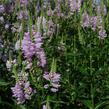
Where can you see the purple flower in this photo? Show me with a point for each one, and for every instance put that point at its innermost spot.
(85, 20)
(2, 9)
(99, 22)
(39, 50)
(75, 5)
(34, 47)
(28, 46)
(49, 12)
(10, 6)
(23, 2)
(41, 57)
(38, 7)
(53, 79)
(51, 28)
(55, 85)
(38, 40)
(102, 34)
(22, 91)
(54, 89)
(57, 10)
(23, 15)
(46, 86)
(29, 65)
(27, 90)
(18, 93)
(93, 22)
(101, 9)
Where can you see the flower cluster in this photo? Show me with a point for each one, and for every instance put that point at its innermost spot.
(23, 15)
(23, 2)
(39, 50)
(48, 27)
(10, 63)
(27, 64)
(22, 90)
(75, 5)
(57, 11)
(95, 22)
(28, 46)
(88, 21)
(31, 48)
(51, 28)
(53, 12)
(100, 9)
(102, 31)
(24, 22)
(53, 79)
(85, 20)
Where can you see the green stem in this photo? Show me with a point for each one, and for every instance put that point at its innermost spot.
(91, 74)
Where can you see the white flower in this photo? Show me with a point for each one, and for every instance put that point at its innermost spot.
(8, 65)
(17, 45)
(1, 19)
(44, 107)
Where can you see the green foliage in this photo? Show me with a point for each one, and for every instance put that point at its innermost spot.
(75, 52)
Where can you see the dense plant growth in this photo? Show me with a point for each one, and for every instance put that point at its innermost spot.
(54, 54)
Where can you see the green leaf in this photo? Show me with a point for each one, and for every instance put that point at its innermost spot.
(81, 38)
(101, 104)
(88, 103)
(3, 83)
(53, 65)
(21, 107)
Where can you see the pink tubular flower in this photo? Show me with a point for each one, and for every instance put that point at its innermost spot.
(31, 48)
(85, 20)
(27, 46)
(102, 34)
(39, 50)
(54, 79)
(23, 15)
(93, 22)
(22, 91)
(41, 56)
(18, 93)
(23, 2)
(75, 5)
